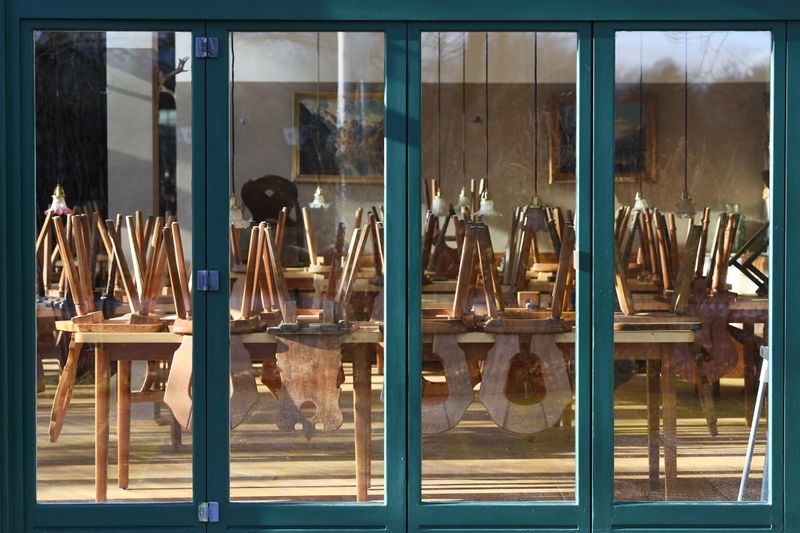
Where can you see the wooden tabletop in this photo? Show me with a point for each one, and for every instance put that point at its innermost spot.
(367, 335)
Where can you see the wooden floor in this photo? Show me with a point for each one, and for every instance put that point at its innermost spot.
(475, 461)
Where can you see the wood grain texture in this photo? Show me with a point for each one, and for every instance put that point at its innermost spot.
(441, 414)
(535, 417)
(309, 367)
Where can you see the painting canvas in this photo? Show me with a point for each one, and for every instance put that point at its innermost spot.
(634, 139)
(343, 143)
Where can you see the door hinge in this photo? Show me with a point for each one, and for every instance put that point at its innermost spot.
(207, 280)
(208, 512)
(206, 47)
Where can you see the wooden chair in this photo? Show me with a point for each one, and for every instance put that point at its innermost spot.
(243, 391)
(75, 262)
(271, 197)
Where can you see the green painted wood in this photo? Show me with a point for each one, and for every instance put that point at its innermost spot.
(602, 267)
(201, 239)
(481, 515)
(23, 371)
(692, 514)
(111, 516)
(583, 290)
(300, 515)
(792, 264)
(673, 529)
(777, 282)
(217, 314)
(414, 277)
(396, 203)
(6, 441)
(416, 10)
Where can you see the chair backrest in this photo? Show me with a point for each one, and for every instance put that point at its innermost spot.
(267, 195)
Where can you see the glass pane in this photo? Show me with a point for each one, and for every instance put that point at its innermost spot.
(113, 173)
(307, 115)
(692, 141)
(498, 169)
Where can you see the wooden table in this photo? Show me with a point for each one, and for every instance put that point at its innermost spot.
(628, 345)
(161, 346)
(657, 348)
(746, 310)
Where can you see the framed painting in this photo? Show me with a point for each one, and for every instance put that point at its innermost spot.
(634, 138)
(339, 139)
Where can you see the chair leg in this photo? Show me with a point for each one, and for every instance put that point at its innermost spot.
(66, 382)
(704, 391)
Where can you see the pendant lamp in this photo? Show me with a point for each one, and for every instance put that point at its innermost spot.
(487, 204)
(685, 207)
(319, 199)
(58, 206)
(235, 208)
(639, 202)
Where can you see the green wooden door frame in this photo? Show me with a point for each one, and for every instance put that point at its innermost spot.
(551, 515)
(595, 294)
(680, 515)
(20, 274)
(390, 513)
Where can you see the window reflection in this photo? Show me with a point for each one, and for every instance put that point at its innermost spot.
(692, 190)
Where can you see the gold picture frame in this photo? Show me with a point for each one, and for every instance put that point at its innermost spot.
(630, 160)
(351, 138)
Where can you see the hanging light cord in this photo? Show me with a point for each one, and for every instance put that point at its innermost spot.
(316, 118)
(464, 109)
(57, 151)
(486, 126)
(641, 110)
(233, 122)
(439, 106)
(536, 113)
(686, 112)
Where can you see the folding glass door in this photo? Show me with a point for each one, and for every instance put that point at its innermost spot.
(113, 204)
(402, 276)
(498, 209)
(688, 251)
(306, 416)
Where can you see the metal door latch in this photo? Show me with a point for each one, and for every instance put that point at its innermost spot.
(208, 512)
(207, 280)
(206, 47)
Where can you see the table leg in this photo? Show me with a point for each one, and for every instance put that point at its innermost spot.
(123, 422)
(653, 421)
(372, 353)
(669, 407)
(175, 432)
(362, 407)
(102, 395)
(749, 351)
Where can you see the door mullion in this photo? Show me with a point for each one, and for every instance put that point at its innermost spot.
(214, 323)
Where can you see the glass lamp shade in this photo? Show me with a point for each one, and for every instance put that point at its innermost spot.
(463, 200)
(487, 207)
(58, 206)
(319, 200)
(236, 216)
(639, 203)
(685, 207)
(437, 205)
